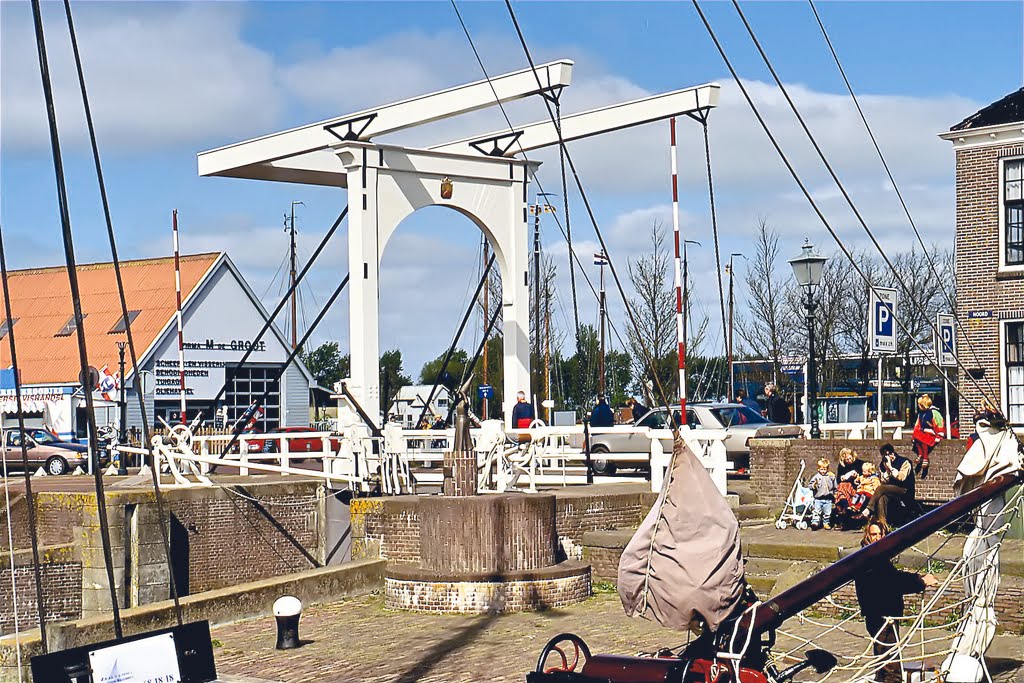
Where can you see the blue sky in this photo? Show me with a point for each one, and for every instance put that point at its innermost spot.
(170, 79)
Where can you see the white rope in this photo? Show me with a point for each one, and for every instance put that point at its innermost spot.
(14, 583)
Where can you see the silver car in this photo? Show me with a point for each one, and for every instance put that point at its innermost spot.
(740, 423)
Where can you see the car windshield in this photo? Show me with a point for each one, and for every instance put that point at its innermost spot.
(737, 415)
(41, 436)
(658, 419)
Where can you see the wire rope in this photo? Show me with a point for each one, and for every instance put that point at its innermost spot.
(14, 573)
(76, 302)
(714, 229)
(130, 337)
(899, 193)
(908, 292)
(803, 188)
(593, 219)
(33, 527)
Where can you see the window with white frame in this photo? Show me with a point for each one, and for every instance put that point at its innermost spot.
(1013, 212)
(1014, 359)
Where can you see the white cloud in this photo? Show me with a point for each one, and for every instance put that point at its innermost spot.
(159, 76)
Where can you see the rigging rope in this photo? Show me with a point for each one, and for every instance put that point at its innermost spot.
(899, 194)
(849, 201)
(33, 527)
(76, 301)
(568, 225)
(714, 231)
(133, 356)
(13, 567)
(803, 188)
(593, 219)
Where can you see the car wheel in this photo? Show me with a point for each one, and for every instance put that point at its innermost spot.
(600, 465)
(56, 466)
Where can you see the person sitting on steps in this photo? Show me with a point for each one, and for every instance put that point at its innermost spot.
(897, 475)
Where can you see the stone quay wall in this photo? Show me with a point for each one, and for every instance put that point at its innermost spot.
(775, 464)
(218, 539)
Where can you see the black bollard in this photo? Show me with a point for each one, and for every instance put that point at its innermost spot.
(287, 611)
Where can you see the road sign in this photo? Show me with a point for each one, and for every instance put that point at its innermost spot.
(485, 391)
(946, 346)
(882, 320)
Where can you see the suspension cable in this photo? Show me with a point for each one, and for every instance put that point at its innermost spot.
(792, 171)
(574, 257)
(593, 219)
(455, 341)
(147, 434)
(568, 225)
(899, 193)
(32, 523)
(76, 302)
(898, 278)
(714, 231)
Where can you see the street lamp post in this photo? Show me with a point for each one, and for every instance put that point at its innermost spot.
(731, 394)
(807, 268)
(122, 409)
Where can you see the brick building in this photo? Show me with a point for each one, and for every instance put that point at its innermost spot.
(989, 148)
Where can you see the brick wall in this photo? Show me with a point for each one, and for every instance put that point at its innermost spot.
(775, 464)
(231, 542)
(1008, 603)
(56, 517)
(390, 528)
(486, 597)
(61, 579)
(980, 287)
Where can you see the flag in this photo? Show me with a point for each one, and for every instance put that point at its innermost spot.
(107, 384)
(601, 259)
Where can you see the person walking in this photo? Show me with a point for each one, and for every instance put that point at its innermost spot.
(778, 410)
(602, 415)
(522, 412)
(927, 433)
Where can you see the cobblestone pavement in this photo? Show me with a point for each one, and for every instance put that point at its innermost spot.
(357, 640)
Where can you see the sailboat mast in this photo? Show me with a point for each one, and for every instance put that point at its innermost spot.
(487, 287)
(547, 347)
(181, 332)
(603, 314)
(291, 276)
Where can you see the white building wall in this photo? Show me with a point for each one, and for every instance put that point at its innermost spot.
(295, 398)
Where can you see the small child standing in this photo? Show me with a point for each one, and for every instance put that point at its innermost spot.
(867, 484)
(823, 485)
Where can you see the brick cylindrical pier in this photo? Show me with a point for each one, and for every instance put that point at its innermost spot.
(502, 533)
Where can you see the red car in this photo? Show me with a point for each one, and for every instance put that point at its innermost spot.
(299, 444)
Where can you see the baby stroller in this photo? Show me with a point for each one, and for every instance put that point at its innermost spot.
(798, 506)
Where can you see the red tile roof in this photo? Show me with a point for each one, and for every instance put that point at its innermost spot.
(41, 302)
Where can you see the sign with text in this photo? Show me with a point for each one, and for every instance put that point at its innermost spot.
(946, 344)
(882, 320)
(150, 660)
(485, 391)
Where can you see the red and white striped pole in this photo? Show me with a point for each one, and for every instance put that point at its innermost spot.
(181, 338)
(680, 319)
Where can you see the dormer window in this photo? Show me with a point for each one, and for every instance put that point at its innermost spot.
(69, 327)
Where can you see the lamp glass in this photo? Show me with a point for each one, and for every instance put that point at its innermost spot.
(807, 267)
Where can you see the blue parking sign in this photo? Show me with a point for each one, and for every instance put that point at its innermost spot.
(882, 320)
(946, 346)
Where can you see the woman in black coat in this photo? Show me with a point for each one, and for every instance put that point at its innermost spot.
(880, 592)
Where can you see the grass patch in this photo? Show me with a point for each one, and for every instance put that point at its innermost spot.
(603, 588)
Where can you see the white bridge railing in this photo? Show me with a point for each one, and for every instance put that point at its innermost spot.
(407, 461)
(547, 456)
(892, 429)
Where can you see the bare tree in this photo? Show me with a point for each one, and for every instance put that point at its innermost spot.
(654, 308)
(769, 329)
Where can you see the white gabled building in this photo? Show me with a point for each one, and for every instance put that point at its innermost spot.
(408, 404)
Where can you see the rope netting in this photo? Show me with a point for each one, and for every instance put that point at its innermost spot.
(957, 617)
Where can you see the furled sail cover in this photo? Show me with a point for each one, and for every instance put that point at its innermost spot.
(684, 563)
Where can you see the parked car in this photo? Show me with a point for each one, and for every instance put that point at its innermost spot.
(298, 444)
(44, 450)
(739, 422)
